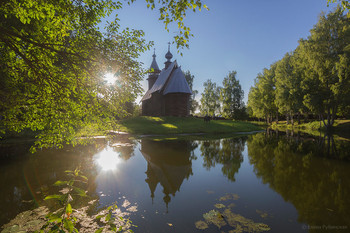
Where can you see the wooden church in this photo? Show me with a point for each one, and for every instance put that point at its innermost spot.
(168, 92)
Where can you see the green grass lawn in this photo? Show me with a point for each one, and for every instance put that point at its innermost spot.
(183, 125)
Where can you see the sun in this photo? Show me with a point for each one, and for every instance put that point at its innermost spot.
(110, 78)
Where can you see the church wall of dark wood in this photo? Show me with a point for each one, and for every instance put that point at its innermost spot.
(172, 104)
(176, 104)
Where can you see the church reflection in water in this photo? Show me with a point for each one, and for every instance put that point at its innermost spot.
(169, 163)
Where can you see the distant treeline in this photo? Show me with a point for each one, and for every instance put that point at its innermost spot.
(314, 79)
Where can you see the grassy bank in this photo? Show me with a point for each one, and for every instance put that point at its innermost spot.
(183, 125)
(156, 126)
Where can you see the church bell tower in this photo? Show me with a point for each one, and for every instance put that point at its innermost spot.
(154, 72)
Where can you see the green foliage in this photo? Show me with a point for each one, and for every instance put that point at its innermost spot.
(261, 98)
(231, 97)
(210, 101)
(63, 219)
(193, 102)
(174, 11)
(54, 57)
(315, 78)
(344, 3)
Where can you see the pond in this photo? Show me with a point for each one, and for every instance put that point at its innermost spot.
(265, 182)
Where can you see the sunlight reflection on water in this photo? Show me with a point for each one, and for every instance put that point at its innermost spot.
(108, 160)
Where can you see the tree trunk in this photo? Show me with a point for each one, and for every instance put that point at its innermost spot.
(324, 123)
(271, 119)
(334, 115)
(298, 118)
(287, 119)
(328, 118)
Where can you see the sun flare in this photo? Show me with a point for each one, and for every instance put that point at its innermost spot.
(108, 160)
(110, 78)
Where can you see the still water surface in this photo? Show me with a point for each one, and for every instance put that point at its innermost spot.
(287, 183)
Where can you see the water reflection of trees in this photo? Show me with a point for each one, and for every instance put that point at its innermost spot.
(324, 145)
(317, 187)
(227, 152)
(169, 163)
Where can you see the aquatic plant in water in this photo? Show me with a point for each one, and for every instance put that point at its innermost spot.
(219, 206)
(66, 218)
(262, 213)
(229, 196)
(214, 217)
(223, 217)
(201, 225)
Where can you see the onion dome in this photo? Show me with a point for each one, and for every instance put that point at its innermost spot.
(168, 55)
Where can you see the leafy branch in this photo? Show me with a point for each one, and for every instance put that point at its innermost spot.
(65, 219)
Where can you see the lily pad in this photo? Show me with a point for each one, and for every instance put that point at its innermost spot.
(219, 206)
(263, 227)
(201, 225)
(239, 222)
(214, 217)
(229, 196)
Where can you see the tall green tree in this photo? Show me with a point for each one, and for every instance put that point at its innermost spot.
(262, 96)
(210, 100)
(289, 93)
(54, 56)
(255, 105)
(326, 53)
(314, 78)
(193, 102)
(231, 97)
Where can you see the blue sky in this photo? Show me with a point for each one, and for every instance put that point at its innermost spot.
(246, 36)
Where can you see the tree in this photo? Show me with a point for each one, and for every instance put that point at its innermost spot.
(193, 102)
(210, 103)
(289, 93)
(53, 59)
(314, 78)
(255, 105)
(231, 96)
(326, 54)
(345, 4)
(262, 96)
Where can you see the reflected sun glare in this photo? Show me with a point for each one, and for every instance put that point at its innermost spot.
(108, 160)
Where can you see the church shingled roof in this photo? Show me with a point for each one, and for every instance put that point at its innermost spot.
(177, 83)
(170, 80)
